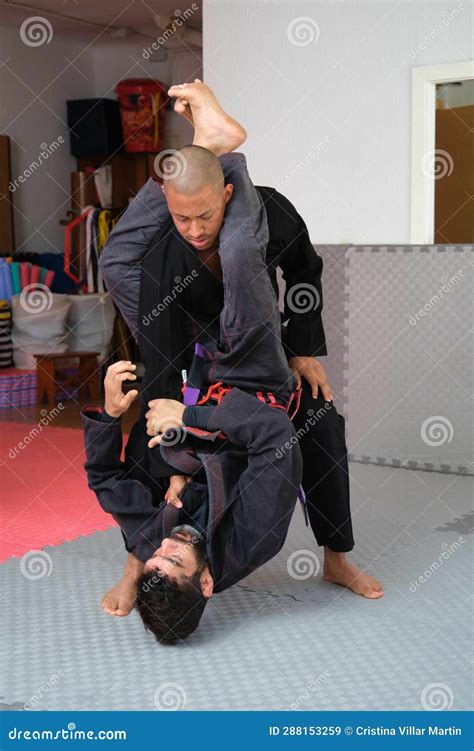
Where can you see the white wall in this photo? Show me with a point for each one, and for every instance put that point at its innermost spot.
(329, 120)
(112, 63)
(35, 83)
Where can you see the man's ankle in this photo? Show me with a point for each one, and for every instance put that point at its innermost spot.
(133, 568)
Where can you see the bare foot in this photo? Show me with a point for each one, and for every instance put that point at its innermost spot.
(214, 129)
(181, 107)
(338, 570)
(121, 598)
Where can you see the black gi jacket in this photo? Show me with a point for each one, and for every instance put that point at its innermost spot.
(250, 486)
(134, 273)
(289, 248)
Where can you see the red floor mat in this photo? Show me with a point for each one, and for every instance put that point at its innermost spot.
(45, 498)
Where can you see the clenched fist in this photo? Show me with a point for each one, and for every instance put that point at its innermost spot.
(163, 414)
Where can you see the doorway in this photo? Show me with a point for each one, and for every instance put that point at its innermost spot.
(442, 198)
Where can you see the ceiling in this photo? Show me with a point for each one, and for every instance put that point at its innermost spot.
(123, 17)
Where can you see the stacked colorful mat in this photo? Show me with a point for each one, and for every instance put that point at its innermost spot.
(14, 278)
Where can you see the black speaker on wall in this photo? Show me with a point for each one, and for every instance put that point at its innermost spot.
(95, 128)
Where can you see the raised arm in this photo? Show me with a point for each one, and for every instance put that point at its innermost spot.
(146, 216)
(129, 501)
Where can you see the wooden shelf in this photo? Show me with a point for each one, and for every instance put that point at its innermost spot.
(129, 173)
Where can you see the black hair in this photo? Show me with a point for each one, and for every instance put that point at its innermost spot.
(171, 610)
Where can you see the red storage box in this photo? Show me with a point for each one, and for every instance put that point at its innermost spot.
(142, 105)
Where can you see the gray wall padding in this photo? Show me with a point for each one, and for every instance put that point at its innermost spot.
(401, 349)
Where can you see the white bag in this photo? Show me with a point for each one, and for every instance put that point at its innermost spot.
(39, 325)
(91, 323)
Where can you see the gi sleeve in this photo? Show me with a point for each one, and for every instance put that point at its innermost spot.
(198, 417)
(129, 501)
(120, 260)
(302, 269)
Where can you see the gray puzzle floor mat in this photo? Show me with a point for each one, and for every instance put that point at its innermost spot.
(283, 638)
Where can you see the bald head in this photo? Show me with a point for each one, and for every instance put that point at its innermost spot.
(196, 195)
(191, 170)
